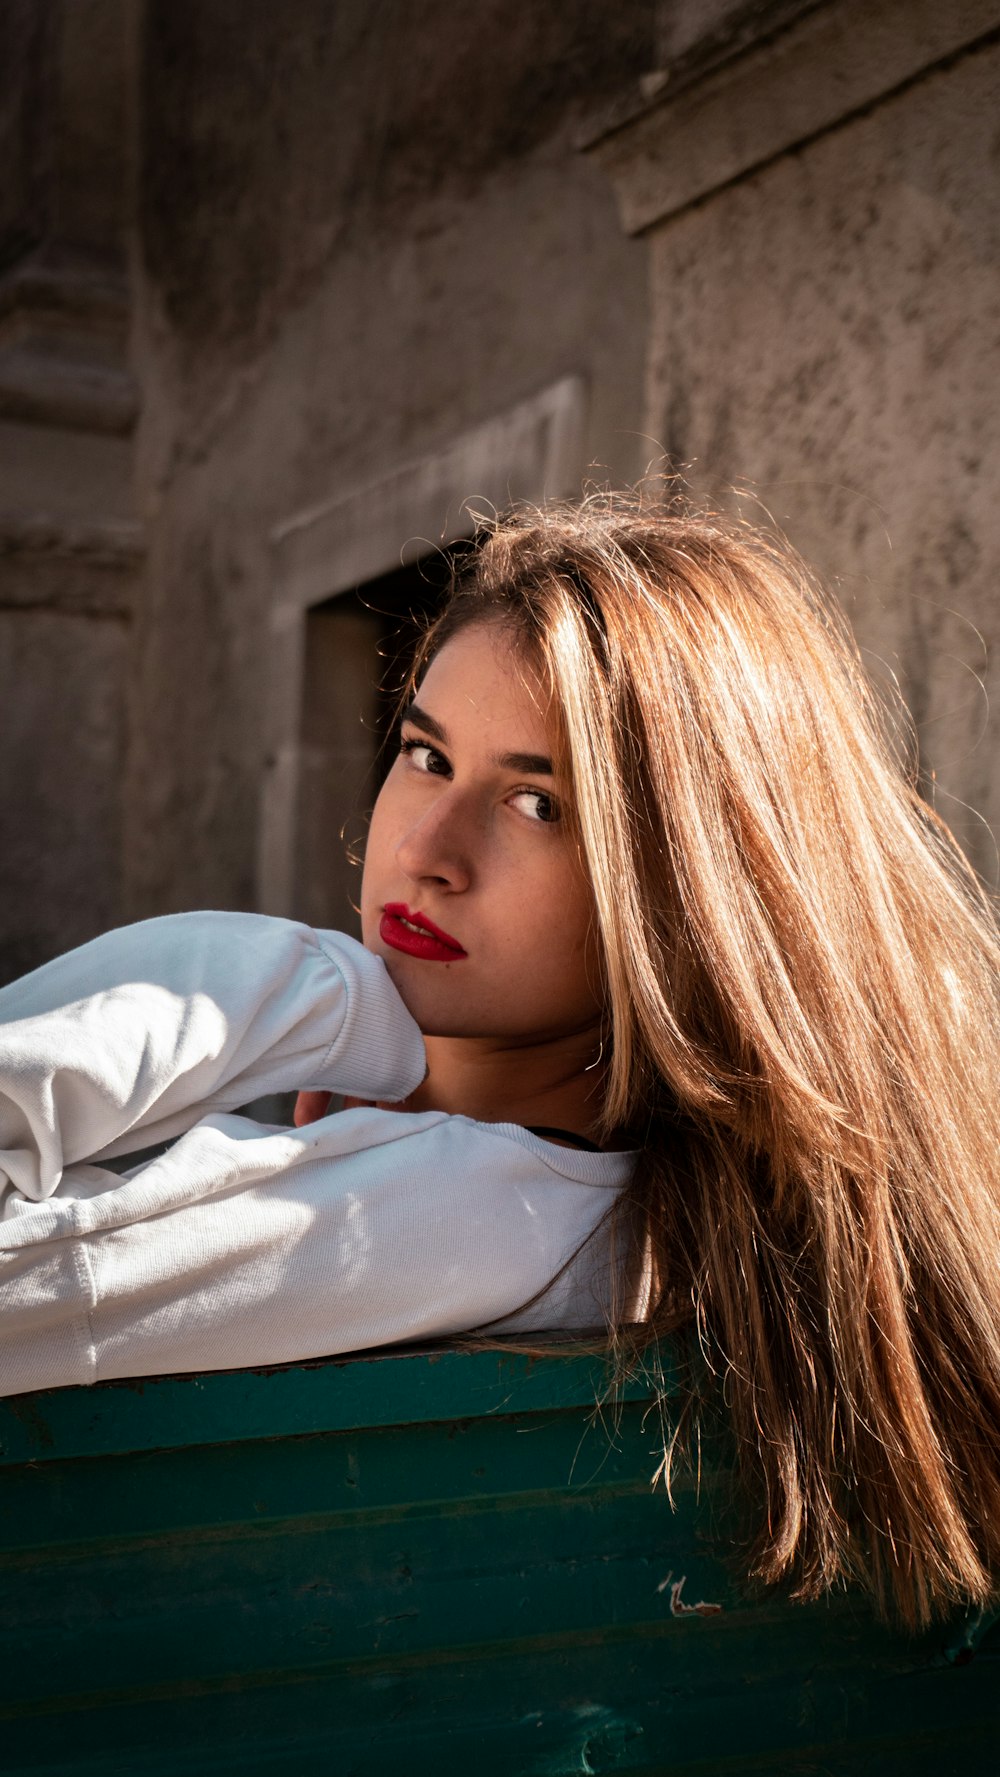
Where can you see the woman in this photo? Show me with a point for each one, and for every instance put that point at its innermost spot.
(686, 1005)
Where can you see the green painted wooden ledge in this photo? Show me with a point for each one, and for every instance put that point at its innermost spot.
(425, 1561)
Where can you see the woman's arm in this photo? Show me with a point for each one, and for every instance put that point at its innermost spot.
(149, 1027)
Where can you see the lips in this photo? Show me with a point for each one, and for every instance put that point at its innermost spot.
(416, 935)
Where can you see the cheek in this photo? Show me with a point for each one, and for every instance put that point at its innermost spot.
(377, 844)
(583, 944)
(556, 913)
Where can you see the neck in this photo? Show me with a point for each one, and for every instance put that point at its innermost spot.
(560, 1085)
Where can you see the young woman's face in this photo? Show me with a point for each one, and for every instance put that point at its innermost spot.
(474, 890)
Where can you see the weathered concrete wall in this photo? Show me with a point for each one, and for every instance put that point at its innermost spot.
(28, 39)
(60, 847)
(364, 229)
(826, 328)
(69, 555)
(65, 597)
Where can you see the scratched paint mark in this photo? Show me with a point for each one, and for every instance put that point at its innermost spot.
(677, 1606)
(597, 1739)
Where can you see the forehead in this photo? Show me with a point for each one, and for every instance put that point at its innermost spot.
(484, 678)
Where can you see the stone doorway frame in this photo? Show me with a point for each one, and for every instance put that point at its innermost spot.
(532, 451)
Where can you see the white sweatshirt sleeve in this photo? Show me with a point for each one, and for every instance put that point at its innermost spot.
(148, 1028)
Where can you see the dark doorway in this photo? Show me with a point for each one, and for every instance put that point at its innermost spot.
(358, 650)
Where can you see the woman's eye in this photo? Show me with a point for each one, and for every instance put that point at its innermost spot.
(537, 805)
(424, 757)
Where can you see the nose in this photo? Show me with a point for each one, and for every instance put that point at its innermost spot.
(437, 848)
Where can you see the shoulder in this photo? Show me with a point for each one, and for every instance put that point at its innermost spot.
(460, 1158)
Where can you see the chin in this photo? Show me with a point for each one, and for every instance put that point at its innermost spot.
(428, 1006)
(418, 996)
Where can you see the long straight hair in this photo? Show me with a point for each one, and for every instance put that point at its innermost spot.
(802, 981)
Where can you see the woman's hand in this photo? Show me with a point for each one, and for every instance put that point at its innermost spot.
(310, 1107)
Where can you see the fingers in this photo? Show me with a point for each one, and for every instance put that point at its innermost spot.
(310, 1107)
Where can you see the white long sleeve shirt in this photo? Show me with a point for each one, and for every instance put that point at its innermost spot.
(245, 1244)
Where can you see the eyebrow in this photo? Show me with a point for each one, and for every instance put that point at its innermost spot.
(536, 764)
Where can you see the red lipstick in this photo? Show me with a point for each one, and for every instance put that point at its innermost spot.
(417, 935)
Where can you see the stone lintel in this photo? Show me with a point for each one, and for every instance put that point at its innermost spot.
(530, 451)
(832, 62)
(727, 32)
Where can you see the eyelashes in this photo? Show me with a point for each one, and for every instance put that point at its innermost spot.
(413, 745)
(437, 765)
(553, 816)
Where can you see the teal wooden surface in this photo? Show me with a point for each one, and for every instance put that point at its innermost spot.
(434, 1562)
(336, 1394)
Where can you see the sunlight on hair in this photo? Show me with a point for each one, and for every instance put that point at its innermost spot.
(802, 978)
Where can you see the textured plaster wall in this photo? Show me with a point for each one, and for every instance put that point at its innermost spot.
(829, 329)
(364, 228)
(68, 557)
(27, 122)
(60, 679)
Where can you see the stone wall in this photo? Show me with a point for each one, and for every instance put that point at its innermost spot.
(824, 229)
(365, 231)
(281, 287)
(70, 550)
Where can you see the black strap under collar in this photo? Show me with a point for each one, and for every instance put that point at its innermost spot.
(566, 1135)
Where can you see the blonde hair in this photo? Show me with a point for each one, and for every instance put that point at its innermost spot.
(802, 984)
